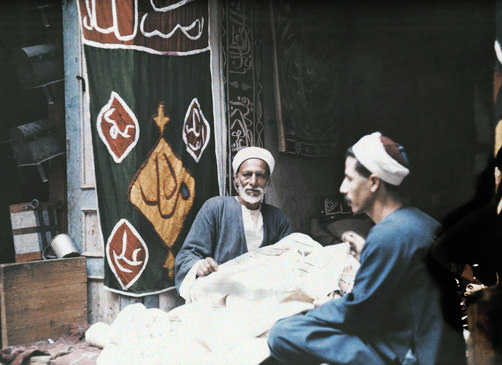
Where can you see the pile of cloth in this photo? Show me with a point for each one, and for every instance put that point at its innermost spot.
(230, 312)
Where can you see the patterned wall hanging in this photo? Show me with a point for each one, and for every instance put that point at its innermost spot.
(303, 79)
(151, 113)
(241, 76)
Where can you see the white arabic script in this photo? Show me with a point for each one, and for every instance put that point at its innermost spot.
(133, 262)
(115, 130)
(90, 22)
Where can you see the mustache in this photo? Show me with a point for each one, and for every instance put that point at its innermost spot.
(249, 187)
(256, 188)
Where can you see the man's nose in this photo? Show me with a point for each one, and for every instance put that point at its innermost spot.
(342, 189)
(252, 180)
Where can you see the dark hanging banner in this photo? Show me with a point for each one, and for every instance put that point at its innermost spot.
(148, 69)
(241, 54)
(304, 76)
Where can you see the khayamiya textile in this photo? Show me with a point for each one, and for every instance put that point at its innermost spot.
(151, 110)
(240, 48)
(306, 81)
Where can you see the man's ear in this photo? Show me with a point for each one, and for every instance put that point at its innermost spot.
(374, 183)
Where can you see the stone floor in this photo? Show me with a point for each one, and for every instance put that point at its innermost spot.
(62, 351)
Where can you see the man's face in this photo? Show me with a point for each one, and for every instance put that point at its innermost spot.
(355, 187)
(251, 180)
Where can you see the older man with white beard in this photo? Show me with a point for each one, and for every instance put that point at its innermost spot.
(227, 227)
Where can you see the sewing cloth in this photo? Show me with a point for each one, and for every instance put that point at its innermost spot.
(393, 310)
(218, 232)
(232, 309)
(253, 230)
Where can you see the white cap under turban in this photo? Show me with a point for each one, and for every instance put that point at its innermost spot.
(253, 152)
(371, 153)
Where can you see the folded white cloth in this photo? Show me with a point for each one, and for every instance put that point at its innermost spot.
(232, 309)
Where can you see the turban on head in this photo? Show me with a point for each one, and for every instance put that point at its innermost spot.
(253, 152)
(382, 157)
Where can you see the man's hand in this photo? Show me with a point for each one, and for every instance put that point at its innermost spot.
(206, 267)
(355, 241)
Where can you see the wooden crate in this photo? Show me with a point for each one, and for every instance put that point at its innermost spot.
(41, 299)
(33, 226)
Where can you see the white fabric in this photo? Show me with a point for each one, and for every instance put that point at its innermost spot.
(253, 230)
(232, 309)
(253, 227)
(371, 153)
(253, 152)
(188, 281)
(98, 335)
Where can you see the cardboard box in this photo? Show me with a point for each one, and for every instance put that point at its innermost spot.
(41, 299)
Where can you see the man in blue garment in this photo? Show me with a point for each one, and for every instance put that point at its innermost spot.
(227, 227)
(394, 312)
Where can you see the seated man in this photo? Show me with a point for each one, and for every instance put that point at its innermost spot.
(227, 227)
(393, 314)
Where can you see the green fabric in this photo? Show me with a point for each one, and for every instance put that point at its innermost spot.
(143, 80)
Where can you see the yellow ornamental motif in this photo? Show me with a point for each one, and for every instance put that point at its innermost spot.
(163, 191)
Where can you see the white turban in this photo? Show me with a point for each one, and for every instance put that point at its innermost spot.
(253, 152)
(370, 152)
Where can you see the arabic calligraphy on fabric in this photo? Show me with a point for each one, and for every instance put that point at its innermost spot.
(146, 26)
(127, 253)
(196, 130)
(163, 190)
(118, 127)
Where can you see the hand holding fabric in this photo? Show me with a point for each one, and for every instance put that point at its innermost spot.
(206, 267)
(356, 243)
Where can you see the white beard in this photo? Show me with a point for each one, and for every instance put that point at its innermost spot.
(250, 199)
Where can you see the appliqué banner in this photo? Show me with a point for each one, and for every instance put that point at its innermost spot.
(148, 69)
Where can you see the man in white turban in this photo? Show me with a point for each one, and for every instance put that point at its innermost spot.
(226, 227)
(393, 314)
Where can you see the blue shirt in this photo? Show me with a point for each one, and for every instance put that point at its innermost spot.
(218, 232)
(395, 306)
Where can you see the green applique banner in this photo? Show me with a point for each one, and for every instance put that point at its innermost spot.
(151, 110)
